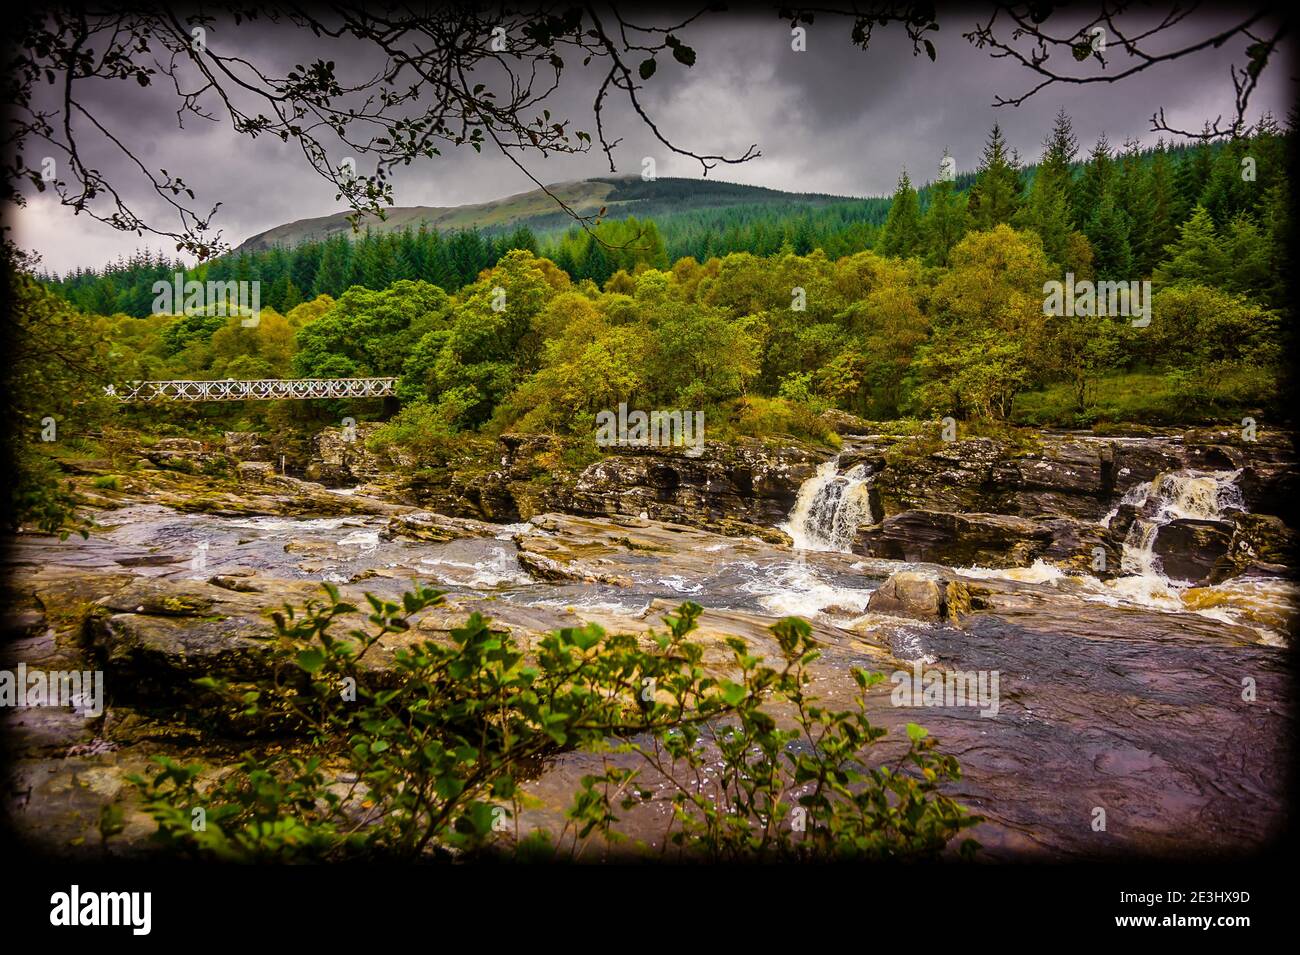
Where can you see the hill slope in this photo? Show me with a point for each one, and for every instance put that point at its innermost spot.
(621, 195)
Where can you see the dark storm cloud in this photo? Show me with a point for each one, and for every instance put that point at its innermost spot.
(832, 119)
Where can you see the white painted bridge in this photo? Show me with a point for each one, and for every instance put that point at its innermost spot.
(261, 389)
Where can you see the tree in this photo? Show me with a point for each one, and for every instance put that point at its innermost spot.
(1163, 224)
(1095, 183)
(946, 221)
(58, 364)
(369, 332)
(1132, 191)
(1048, 208)
(1108, 232)
(902, 235)
(335, 272)
(995, 197)
(990, 340)
(431, 92)
(1196, 257)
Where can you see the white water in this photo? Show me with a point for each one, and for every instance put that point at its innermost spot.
(797, 589)
(1260, 603)
(830, 508)
(1174, 495)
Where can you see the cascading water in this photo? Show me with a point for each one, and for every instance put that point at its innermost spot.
(830, 508)
(1199, 495)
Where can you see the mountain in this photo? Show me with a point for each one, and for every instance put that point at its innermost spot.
(620, 195)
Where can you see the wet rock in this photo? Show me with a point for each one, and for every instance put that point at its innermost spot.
(744, 488)
(428, 526)
(1261, 544)
(1072, 478)
(1189, 550)
(1270, 488)
(989, 540)
(924, 474)
(270, 494)
(1083, 547)
(923, 595)
(238, 582)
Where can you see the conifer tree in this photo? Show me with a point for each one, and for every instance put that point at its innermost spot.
(1108, 232)
(902, 235)
(995, 197)
(333, 277)
(946, 220)
(1197, 256)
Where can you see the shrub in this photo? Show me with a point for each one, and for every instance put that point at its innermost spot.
(434, 761)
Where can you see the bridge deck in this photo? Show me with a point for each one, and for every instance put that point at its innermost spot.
(263, 389)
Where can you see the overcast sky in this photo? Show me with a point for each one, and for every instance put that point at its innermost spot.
(833, 119)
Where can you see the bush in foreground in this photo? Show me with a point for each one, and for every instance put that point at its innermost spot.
(434, 762)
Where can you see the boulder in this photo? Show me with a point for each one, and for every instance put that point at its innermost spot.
(1261, 545)
(1189, 550)
(958, 540)
(747, 488)
(438, 528)
(255, 472)
(922, 595)
(183, 454)
(248, 446)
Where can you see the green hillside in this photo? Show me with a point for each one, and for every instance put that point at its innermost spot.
(619, 195)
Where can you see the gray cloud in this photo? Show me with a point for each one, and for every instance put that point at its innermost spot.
(833, 119)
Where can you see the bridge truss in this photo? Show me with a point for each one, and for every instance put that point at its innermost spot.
(263, 389)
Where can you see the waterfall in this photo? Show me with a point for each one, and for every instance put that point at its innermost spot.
(830, 508)
(1200, 495)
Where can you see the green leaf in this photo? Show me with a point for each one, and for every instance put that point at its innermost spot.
(648, 68)
(311, 660)
(733, 693)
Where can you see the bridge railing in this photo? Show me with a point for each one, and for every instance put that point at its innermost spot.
(261, 389)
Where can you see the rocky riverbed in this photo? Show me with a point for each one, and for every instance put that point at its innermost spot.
(1130, 591)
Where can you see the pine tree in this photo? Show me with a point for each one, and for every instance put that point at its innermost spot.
(1191, 178)
(946, 220)
(1133, 195)
(1108, 232)
(1163, 228)
(1227, 194)
(410, 255)
(995, 197)
(1197, 255)
(902, 235)
(1094, 184)
(334, 276)
(305, 262)
(1059, 151)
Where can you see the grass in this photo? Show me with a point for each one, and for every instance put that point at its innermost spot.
(1140, 397)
